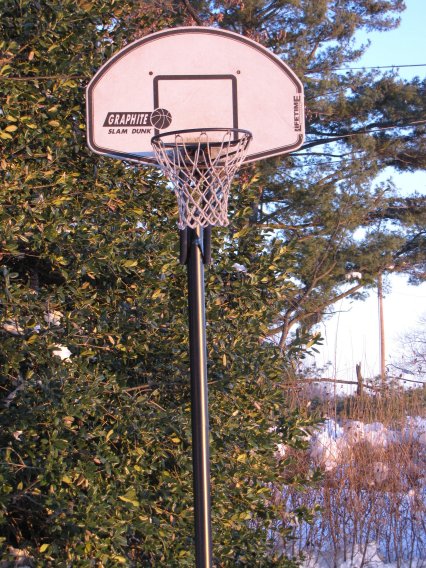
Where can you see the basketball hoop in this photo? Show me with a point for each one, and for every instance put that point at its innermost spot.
(201, 164)
(158, 83)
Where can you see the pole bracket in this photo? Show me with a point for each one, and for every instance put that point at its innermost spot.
(203, 242)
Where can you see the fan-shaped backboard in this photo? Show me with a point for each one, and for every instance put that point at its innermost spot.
(193, 77)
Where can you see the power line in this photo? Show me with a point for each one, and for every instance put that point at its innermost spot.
(382, 66)
(42, 78)
(336, 137)
(64, 77)
(372, 67)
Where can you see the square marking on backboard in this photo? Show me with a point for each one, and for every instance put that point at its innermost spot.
(197, 101)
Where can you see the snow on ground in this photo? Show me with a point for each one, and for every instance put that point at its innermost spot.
(358, 557)
(331, 446)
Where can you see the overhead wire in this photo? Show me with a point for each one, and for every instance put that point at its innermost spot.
(64, 77)
(371, 67)
(380, 67)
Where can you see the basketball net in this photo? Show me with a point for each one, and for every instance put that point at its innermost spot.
(201, 165)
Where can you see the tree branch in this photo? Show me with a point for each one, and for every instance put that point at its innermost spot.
(192, 12)
(295, 319)
(334, 137)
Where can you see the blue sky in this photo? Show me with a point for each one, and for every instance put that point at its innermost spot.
(352, 335)
(402, 46)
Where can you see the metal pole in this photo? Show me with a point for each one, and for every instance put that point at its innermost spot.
(199, 401)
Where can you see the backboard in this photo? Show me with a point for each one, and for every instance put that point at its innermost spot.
(193, 78)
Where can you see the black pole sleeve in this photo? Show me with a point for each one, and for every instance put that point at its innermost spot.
(207, 245)
(199, 401)
(183, 246)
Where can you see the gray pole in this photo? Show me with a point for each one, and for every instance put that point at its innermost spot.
(381, 328)
(199, 400)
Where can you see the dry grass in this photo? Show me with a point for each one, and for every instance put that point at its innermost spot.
(376, 493)
(388, 405)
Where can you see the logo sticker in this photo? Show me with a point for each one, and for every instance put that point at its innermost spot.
(160, 118)
(297, 109)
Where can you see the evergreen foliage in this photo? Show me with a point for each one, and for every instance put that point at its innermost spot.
(95, 448)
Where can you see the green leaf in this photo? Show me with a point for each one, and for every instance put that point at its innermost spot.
(130, 263)
(130, 500)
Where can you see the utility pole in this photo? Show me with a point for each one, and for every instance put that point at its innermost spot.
(381, 328)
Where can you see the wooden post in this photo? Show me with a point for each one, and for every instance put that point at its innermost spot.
(359, 388)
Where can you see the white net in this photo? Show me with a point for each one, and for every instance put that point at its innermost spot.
(201, 165)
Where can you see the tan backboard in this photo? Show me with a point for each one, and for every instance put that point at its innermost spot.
(193, 77)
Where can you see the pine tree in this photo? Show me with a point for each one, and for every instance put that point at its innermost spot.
(323, 202)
